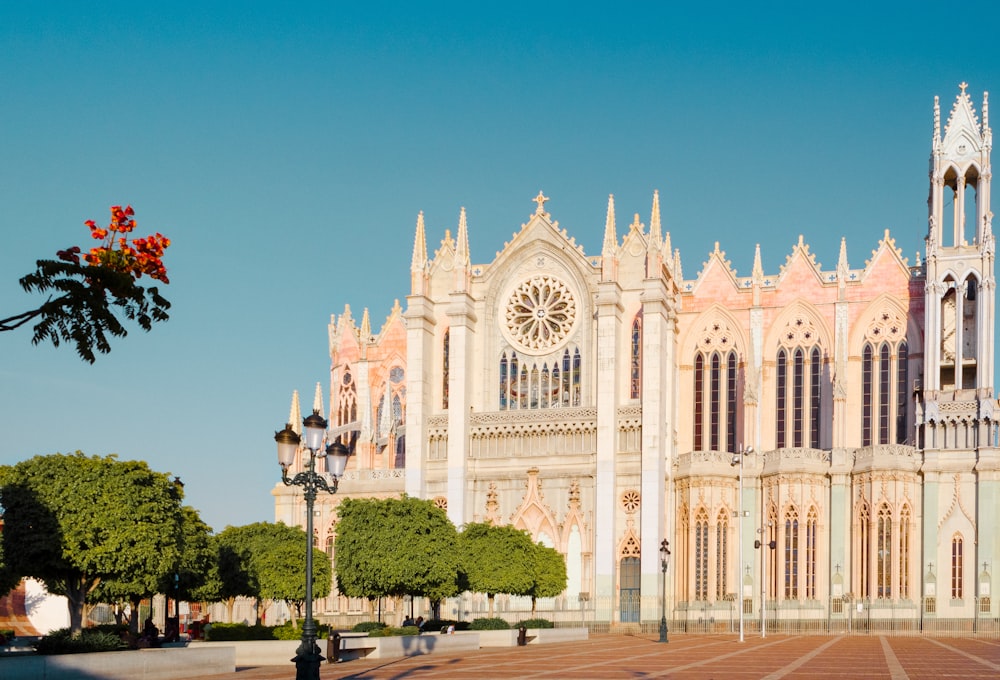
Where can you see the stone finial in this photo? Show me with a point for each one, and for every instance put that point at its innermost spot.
(654, 221)
(842, 266)
(366, 326)
(937, 119)
(462, 245)
(540, 199)
(986, 111)
(318, 400)
(757, 273)
(295, 413)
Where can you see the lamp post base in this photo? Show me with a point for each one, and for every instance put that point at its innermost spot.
(307, 662)
(663, 630)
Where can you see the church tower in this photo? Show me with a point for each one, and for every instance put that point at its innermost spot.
(960, 291)
(956, 407)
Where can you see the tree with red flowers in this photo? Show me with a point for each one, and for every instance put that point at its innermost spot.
(89, 297)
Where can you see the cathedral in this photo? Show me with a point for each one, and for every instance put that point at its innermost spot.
(813, 443)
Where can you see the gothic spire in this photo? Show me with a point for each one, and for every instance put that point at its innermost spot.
(610, 236)
(609, 253)
(366, 326)
(418, 265)
(654, 222)
(462, 262)
(757, 273)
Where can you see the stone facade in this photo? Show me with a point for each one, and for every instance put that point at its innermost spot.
(602, 403)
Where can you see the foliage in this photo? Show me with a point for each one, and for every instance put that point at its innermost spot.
(89, 295)
(497, 560)
(8, 577)
(489, 624)
(391, 631)
(77, 521)
(267, 561)
(394, 547)
(289, 631)
(367, 626)
(62, 641)
(548, 575)
(536, 623)
(434, 625)
(228, 632)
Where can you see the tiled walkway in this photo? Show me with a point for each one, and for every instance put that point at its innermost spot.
(702, 658)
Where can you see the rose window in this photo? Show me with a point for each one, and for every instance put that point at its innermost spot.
(540, 313)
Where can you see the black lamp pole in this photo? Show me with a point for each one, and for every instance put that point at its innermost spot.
(307, 656)
(664, 562)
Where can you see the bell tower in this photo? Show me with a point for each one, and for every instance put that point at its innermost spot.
(960, 290)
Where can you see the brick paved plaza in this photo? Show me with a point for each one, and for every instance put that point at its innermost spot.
(688, 656)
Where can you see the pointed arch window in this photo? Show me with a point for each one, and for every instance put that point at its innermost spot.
(721, 555)
(864, 550)
(867, 392)
(812, 526)
(716, 401)
(904, 553)
(799, 391)
(885, 393)
(539, 383)
(445, 358)
(791, 550)
(883, 561)
(635, 378)
(957, 564)
(701, 556)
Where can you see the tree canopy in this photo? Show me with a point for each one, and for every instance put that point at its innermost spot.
(74, 521)
(393, 547)
(267, 561)
(497, 559)
(548, 576)
(89, 296)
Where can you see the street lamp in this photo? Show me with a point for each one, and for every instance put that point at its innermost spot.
(307, 656)
(738, 460)
(664, 563)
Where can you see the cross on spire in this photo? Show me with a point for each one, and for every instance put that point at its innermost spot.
(962, 85)
(540, 200)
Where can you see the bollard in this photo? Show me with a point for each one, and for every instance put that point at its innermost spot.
(522, 636)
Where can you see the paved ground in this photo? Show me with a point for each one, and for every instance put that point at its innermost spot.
(689, 656)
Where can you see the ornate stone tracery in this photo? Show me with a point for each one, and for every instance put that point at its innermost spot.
(540, 315)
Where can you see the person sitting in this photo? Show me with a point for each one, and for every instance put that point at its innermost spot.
(419, 623)
(408, 621)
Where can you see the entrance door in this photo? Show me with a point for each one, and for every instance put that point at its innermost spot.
(630, 591)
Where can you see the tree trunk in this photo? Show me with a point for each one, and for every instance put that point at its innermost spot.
(230, 603)
(292, 606)
(490, 596)
(534, 607)
(133, 624)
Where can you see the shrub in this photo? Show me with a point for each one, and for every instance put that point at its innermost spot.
(90, 640)
(536, 623)
(287, 632)
(389, 631)
(435, 625)
(367, 626)
(489, 624)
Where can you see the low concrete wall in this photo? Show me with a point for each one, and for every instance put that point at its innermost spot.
(259, 652)
(543, 636)
(414, 645)
(142, 664)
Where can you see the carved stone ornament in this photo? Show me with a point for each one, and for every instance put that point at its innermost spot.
(540, 315)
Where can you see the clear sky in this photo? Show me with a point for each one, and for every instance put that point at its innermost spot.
(286, 149)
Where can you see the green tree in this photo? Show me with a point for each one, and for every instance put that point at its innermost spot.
(497, 560)
(549, 575)
(282, 572)
(74, 521)
(88, 297)
(394, 547)
(266, 561)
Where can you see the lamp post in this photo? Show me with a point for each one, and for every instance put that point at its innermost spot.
(307, 656)
(664, 563)
(738, 460)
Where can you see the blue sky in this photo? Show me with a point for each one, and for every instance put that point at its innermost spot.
(286, 151)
